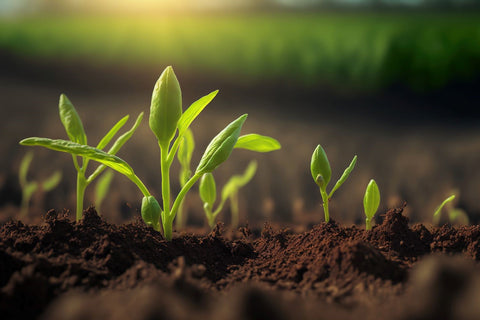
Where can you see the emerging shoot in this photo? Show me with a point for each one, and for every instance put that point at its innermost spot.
(371, 201)
(321, 173)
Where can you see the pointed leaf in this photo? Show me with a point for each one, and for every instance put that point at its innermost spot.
(238, 181)
(112, 132)
(221, 146)
(126, 136)
(258, 143)
(371, 200)
(109, 160)
(193, 111)
(71, 121)
(344, 176)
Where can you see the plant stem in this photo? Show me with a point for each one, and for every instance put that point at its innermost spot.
(179, 222)
(81, 186)
(368, 224)
(234, 209)
(325, 204)
(165, 171)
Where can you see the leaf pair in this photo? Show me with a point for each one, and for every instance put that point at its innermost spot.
(321, 173)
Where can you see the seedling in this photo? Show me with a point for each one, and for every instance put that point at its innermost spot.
(208, 194)
(371, 201)
(440, 207)
(321, 173)
(30, 187)
(170, 125)
(78, 148)
(455, 215)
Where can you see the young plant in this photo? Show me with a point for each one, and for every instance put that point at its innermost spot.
(371, 201)
(208, 194)
(30, 187)
(78, 148)
(170, 125)
(321, 173)
(455, 215)
(184, 156)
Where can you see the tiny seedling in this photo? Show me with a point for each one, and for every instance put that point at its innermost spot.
(455, 215)
(170, 124)
(371, 201)
(208, 194)
(30, 187)
(321, 173)
(78, 148)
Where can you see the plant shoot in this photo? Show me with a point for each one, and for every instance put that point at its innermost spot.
(371, 201)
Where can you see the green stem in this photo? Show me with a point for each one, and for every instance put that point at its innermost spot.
(234, 209)
(210, 218)
(140, 185)
(368, 224)
(180, 221)
(324, 195)
(181, 196)
(165, 171)
(81, 186)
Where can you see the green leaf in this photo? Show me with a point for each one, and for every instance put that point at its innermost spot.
(208, 189)
(193, 111)
(23, 170)
(320, 167)
(258, 143)
(52, 181)
(238, 181)
(344, 176)
(371, 200)
(185, 149)
(30, 189)
(151, 212)
(440, 207)
(111, 133)
(71, 121)
(221, 146)
(102, 187)
(95, 154)
(126, 136)
(166, 106)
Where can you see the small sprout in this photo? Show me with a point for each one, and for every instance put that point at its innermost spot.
(170, 126)
(321, 174)
(207, 190)
(371, 201)
(151, 212)
(440, 207)
(454, 214)
(102, 187)
(77, 147)
(30, 187)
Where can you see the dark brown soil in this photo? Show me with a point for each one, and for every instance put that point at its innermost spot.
(96, 270)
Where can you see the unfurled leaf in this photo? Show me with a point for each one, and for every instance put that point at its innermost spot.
(371, 200)
(166, 106)
(320, 167)
(88, 152)
(344, 176)
(221, 146)
(111, 133)
(71, 121)
(193, 111)
(208, 189)
(258, 143)
(126, 136)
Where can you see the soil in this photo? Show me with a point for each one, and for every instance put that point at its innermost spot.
(95, 270)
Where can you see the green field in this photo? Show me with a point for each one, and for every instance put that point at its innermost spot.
(422, 51)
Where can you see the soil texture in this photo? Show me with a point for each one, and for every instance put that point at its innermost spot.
(61, 269)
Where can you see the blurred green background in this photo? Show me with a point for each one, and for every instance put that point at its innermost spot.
(395, 82)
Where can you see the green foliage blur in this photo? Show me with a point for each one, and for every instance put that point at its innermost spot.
(360, 50)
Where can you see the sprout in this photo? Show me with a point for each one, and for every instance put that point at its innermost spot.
(321, 173)
(208, 194)
(78, 148)
(170, 126)
(371, 201)
(30, 187)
